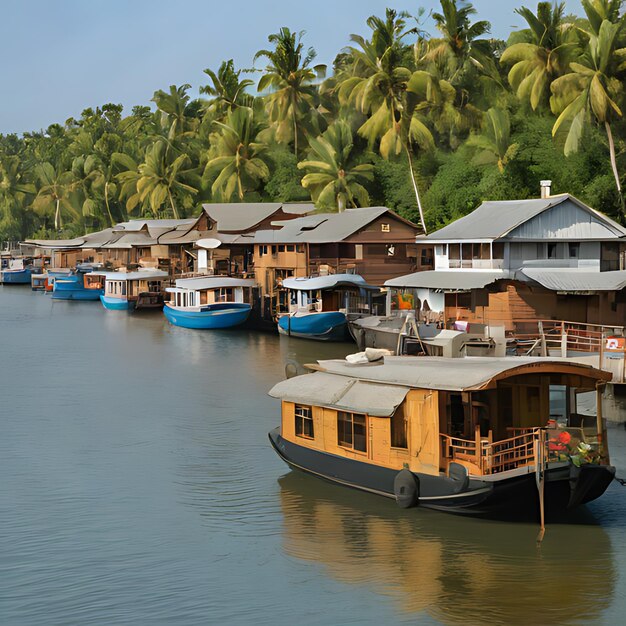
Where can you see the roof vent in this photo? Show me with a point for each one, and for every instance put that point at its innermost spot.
(546, 188)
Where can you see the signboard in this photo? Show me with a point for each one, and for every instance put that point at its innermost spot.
(615, 344)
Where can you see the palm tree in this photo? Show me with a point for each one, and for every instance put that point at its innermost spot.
(127, 175)
(378, 88)
(173, 106)
(237, 159)
(290, 78)
(161, 176)
(56, 187)
(15, 188)
(334, 176)
(461, 45)
(494, 144)
(593, 89)
(228, 91)
(544, 56)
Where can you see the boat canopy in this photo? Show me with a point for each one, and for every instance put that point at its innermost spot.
(327, 282)
(455, 374)
(200, 283)
(139, 275)
(449, 280)
(341, 392)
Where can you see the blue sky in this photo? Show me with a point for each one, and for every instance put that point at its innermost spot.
(61, 56)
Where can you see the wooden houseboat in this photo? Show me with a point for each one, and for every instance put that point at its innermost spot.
(474, 435)
(319, 307)
(17, 271)
(129, 291)
(210, 302)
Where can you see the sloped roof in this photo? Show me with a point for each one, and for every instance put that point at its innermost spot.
(213, 282)
(449, 280)
(575, 280)
(323, 227)
(139, 224)
(496, 219)
(448, 373)
(243, 216)
(327, 282)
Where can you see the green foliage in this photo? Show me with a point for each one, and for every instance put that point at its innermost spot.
(429, 126)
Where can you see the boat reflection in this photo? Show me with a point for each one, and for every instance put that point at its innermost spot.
(457, 570)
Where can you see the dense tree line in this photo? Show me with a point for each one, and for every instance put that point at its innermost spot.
(427, 125)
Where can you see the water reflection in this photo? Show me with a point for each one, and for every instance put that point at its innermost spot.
(458, 570)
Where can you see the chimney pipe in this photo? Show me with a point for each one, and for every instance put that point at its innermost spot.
(546, 188)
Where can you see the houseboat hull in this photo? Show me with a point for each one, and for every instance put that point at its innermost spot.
(325, 326)
(115, 304)
(16, 277)
(565, 485)
(70, 290)
(212, 316)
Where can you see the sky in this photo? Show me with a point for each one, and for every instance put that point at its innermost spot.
(61, 56)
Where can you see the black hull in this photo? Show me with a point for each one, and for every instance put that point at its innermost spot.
(565, 486)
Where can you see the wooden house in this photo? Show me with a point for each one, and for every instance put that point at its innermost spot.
(551, 258)
(373, 242)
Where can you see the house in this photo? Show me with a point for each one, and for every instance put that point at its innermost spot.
(374, 242)
(550, 258)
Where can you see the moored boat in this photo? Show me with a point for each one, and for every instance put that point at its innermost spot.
(73, 286)
(319, 307)
(478, 435)
(209, 302)
(17, 272)
(130, 291)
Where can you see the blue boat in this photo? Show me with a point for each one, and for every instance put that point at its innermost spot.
(73, 286)
(17, 271)
(209, 302)
(319, 307)
(130, 291)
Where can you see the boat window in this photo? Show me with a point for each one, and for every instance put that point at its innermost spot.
(304, 421)
(351, 431)
(398, 429)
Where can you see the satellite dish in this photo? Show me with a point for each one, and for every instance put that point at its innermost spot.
(208, 244)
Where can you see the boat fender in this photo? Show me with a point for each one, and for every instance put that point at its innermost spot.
(406, 489)
(458, 473)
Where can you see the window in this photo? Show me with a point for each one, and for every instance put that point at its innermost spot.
(304, 421)
(385, 228)
(552, 251)
(351, 431)
(498, 250)
(291, 248)
(574, 250)
(281, 248)
(398, 429)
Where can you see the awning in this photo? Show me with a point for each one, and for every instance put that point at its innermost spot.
(340, 392)
(573, 280)
(449, 280)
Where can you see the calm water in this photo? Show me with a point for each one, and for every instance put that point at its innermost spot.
(137, 486)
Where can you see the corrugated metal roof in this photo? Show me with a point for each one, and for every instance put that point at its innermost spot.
(327, 282)
(349, 394)
(130, 240)
(321, 227)
(449, 280)
(496, 219)
(575, 280)
(213, 282)
(139, 224)
(243, 216)
(445, 373)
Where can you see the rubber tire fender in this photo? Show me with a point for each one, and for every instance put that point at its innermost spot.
(406, 488)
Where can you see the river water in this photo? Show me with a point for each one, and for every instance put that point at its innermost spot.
(138, 486)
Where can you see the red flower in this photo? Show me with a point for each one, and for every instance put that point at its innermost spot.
(564, 437)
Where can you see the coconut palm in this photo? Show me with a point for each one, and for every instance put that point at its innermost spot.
(461, 45)
(162, 176)
(289, 76)
(334, 175)
(227, 89)
(378, 89)
(544, 56)
(174, 106)
(54, 194)
(593, 89)
(494, 144)
(237, 159)
(15, 189)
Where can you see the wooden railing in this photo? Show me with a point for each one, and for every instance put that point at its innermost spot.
(483, 456)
